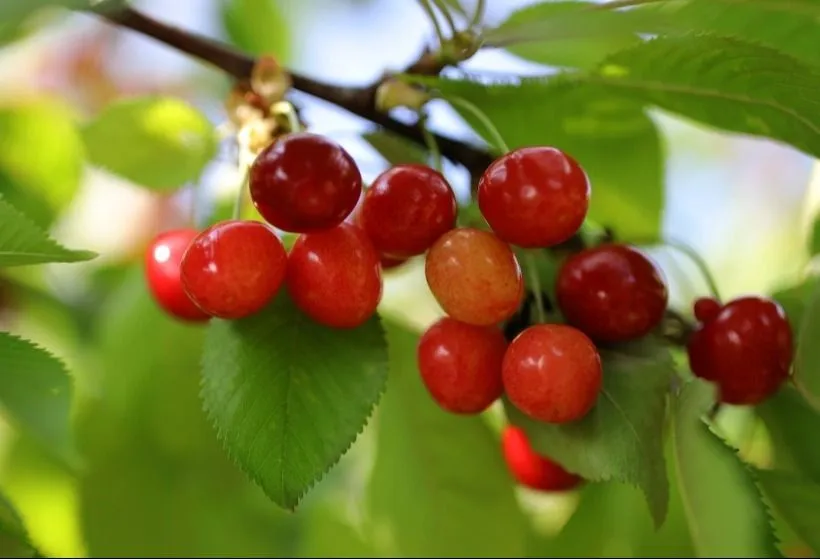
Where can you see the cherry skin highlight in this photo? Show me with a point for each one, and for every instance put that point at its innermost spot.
(162, 273)
(460, 364)
(746, 349)
(406, 209)
(534, 196)
(234, 268)
(334, 276)
(474, 276)
(552, 373)
(304, 182)
(531, 469)
(706, 308)
(612, 293)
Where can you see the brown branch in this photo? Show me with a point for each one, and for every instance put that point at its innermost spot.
(360, 101)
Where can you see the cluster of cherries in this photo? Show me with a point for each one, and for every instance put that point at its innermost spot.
(532, 197)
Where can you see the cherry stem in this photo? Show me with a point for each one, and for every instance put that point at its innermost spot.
(431, 15)
(478, 15)
(699, 262)
(448, 17)
(482, 117)
(432, 146)
(535, 286)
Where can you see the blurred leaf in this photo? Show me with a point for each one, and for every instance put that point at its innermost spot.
(35, 393)
(722, 82)
(41, 158)
(795, 299)
(565, 33)
(439, 486)
(814, 240)
(157, 142)
(789, 26)
(726, 513)
(22, 243)
(621, 439)
(798, 500)
(14, 539)
(792, 423)
(14, 14)
(328, 534)
(256, 26)
(807, 356)
(157, 482)
(288, 396)
(395, 149)
(612, 138)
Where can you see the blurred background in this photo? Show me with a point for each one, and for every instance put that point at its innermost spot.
(156, 481)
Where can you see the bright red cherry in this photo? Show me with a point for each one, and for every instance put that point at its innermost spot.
(474, 276)
(162, 260)
(534, 196)
(612, 293)
(746, 349)
(531, 469)
(552, 373)
(706, 308)
(304, 182)
(460, 365)
(334, 276)
(406, 209)
(234, 268)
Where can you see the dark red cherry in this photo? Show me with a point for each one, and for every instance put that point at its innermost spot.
(534, 196)
(706, 308)
(304, 182)
(529, 468)
(234, 268)
(162, 274)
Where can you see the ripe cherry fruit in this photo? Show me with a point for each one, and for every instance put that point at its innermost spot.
(406, 209)
(334, 276)
(552, 373)
(534, 196)
(460, 365)
(611, 292)
(706, 308)
(304, 182)
(234, 268)
(746, 349)
(474, 276)
(531, 469)
(162, 273)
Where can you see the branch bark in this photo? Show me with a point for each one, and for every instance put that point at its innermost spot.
(360, 101)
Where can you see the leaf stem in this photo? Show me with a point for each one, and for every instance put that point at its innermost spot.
(482, 118)
(535, 286)
(698, 260)
(431, 15)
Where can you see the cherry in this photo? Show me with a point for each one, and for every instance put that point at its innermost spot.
(552, 373)
(334, 276)
(531, 469)
(406, 209)
(460, 365)
(474, 276)
(389, 263)
(304, 182)
(746, 349)
(706, 308)
(612, 292)
(534, 196)
(162, 260)
(234, 268)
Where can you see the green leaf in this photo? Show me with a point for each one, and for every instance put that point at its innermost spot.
(22, 243)
(289, 396)
(14, 14)
(795, 299)
(791, 27)
(157, 482)
(329, 534)
(722, 82)
(157, 142)
(256, 26)
(807, 356)
(41, 158)
(726, 514)
(439, 486)
(394, 149)
(797, 499)
(35, 394)
(621, 439)
(612, 138)
(791, 423)
(14, 538)
(564, 33)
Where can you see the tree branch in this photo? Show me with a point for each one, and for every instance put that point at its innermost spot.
(360, 101)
